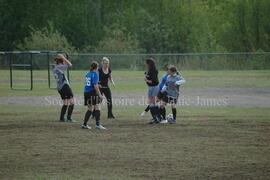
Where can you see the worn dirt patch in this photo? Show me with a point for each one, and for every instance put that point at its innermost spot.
(190, 97)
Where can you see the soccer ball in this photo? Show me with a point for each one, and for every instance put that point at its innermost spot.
(169, 117)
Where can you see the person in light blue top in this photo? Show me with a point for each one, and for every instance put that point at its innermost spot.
(163, 80)
(92, 96)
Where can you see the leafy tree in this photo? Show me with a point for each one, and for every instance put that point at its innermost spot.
(46, 39)
(158, 26)
(116, 41)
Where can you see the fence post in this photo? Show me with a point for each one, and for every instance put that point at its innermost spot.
(48, 64)
(10, 70)
(31, 70)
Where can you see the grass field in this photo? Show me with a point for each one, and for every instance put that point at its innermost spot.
(132, 81)
(206, 143)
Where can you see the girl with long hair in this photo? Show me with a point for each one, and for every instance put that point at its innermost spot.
(151, 79)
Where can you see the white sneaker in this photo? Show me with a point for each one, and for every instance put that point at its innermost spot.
(143, 113)
(86, 127)
(100, 127)
(164, 121)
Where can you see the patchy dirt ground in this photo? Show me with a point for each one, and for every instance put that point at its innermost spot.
(227, 96)
(206, 143)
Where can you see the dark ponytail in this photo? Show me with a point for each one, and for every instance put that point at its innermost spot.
(151, 64)
(93, 66)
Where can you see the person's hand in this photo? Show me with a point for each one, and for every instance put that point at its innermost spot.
(101, 97)
(113, 84)
(145, 79)
(163, 89)
(61, 56)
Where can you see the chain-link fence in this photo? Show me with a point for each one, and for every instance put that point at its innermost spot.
(19, 66)
(214, 61)
(190, 61)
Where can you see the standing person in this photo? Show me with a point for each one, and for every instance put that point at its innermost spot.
(171, 93)
(92, 97)
(105, 74)
(159, 96)
(63, 87)
(151, 79)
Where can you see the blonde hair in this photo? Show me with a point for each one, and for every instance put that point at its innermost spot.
(105, 59)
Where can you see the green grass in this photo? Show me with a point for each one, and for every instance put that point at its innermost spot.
(206, 143)
(132, 81)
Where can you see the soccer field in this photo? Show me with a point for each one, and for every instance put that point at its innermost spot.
(231, 141)
(135, 90)
(131, 81)
(206, 143)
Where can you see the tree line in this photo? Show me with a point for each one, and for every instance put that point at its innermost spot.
(135, 26)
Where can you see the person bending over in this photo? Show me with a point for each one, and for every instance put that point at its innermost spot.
(171, 93)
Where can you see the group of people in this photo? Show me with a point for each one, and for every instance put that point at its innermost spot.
(96, 87)
(159, 95)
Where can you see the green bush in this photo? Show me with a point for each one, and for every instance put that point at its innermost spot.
(116, 41)
(47, 38)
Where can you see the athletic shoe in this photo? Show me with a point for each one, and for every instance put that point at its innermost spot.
(157, 120)
(100, 127)
(173, 121)
(143, 113)
(62, 120)
(70, 120)
(86, 127)
(111, 116)
(164, 121)
(154, 121)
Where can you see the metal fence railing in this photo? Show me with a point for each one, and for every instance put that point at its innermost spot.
(185, 61)
(43, 60)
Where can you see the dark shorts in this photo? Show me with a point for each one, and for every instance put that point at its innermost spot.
(169, 99)
(66, 92)
(91, 98)
(161, 95)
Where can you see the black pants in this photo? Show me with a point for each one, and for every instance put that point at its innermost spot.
(108, 95)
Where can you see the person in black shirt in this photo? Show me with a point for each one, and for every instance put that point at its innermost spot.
(105, 74)
(151, 79)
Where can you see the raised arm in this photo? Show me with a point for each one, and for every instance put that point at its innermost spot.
(66, 61)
